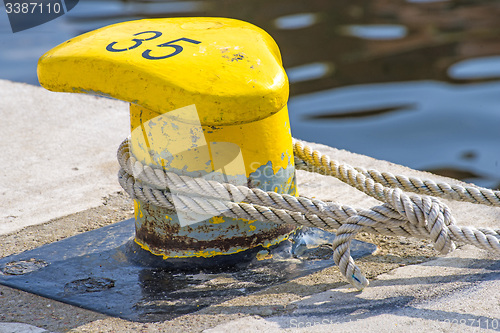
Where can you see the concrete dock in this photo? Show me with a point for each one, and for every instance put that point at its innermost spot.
(58, 179)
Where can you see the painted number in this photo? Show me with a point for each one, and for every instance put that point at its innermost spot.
(138, 41)
(177, 48)
(112, 47)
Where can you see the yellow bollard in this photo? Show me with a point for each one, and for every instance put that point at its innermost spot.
(208, 99)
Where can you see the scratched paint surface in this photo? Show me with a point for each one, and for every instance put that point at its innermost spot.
(173, 234)
(259, 155)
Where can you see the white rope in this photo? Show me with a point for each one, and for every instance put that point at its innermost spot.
(307, 159)
(401, 214)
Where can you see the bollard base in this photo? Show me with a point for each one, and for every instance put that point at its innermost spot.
(105, 271)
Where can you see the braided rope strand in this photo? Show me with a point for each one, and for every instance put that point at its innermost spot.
(309, 160)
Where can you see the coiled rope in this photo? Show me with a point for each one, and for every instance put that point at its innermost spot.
(418, 214)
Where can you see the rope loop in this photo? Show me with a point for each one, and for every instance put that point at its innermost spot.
(417, 214)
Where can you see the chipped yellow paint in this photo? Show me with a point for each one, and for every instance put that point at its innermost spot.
(250, 226)
(259, 142)
(137, 209)
(168, 217)
(217, 220)
(264, 255)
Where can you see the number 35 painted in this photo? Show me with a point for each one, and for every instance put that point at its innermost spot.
(147, 54)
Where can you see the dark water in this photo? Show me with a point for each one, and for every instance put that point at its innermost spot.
(415, 82)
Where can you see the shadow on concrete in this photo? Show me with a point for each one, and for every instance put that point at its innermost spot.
(338, 306)
(105, 271)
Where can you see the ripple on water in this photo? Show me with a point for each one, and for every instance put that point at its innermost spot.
(425, 1)
(296, 21)
(476, 68)
(307, 72)
(375, 31)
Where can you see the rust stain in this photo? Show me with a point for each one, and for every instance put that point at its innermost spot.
(169, 241)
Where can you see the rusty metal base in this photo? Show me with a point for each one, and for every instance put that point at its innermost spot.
(105, 271)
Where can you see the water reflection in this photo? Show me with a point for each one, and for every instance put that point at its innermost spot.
(381, 65)
(359, 113)
(425, 1)
(115, 10)
(477, 68)
(429, 125)
(309, 72)
(296, 21)
(375, 31)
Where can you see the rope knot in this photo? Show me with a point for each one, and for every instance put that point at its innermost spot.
(424, 212)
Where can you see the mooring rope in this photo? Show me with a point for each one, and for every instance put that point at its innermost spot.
(418, 214)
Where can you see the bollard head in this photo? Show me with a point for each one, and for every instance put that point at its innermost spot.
(231, 70)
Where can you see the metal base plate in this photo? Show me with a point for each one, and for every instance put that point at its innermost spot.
(105, 271)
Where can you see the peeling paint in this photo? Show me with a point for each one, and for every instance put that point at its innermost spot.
(259, 156)
(217, 220)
